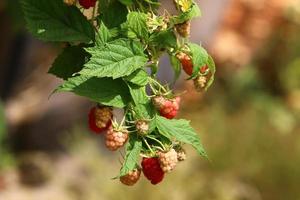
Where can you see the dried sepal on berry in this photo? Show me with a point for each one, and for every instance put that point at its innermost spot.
(131, 178)
(168, 160)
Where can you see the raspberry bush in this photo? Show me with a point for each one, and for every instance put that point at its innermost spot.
(111, 56)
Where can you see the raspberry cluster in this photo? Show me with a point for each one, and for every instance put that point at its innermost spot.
(142, 127)
(152, 170)
(100, 118)
(184, 29)
(115, 138)
(131, 178)
(168, 160)
(87, 3)
(203, 75)
(168, 108)
(186, 62)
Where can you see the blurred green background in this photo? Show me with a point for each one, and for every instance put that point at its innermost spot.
(248, 120)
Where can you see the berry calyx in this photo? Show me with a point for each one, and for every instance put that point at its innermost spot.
(131, 178)
(100, 118)
(142, 127)
(168, 160)
(87, 3)
(152, 170)
(168, 108)
(115, 138)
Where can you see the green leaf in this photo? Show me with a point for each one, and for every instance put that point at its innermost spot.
(102, 90)
(193, 12)
(54, 21)
(112, 13)
(212, 67)
(70, 61)
(163, 39)
(211, 64)
(116, 59)
(103, 35)
(136, 22)
(200, 57)
(138, 94)
(144, 111)
(139, 77)
(133, 150)
(126, 2)
(176, 65)
(180, 130)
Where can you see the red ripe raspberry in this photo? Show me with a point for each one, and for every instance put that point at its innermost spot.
(152, 170)
(100, 119)
(170, 108)
(203, 69)
(131, 178)
(186, 62)
(87, 3)
(168, 160)
(115, 139)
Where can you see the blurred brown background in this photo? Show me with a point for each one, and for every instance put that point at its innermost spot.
(248, 120)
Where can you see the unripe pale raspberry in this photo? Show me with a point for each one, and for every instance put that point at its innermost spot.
(152, 170)
(142, 127)
(115, 139)
(168, 160)
(100, 118)
(87, 3)
(181, 155)
(131, 178)
(158, 101)
(200, 82)
(70, 2)
(184, 29)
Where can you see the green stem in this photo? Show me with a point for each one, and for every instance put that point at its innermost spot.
(158, 84)
(159, 142)
(147, 144)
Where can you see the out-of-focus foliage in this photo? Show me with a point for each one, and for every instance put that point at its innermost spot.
(6, 158)
(2, 123)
